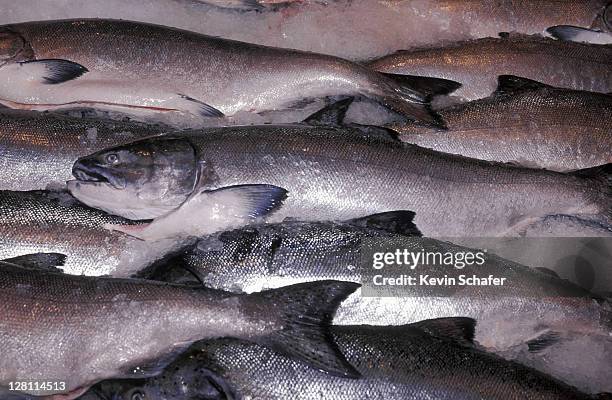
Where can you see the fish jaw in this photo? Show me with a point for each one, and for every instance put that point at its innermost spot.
(121, 202)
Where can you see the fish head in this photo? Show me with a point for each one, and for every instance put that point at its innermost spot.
(13, 48)
(141, 180)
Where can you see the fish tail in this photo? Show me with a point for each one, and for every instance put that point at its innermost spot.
(410, 96)
(601, 194)
(306, 311)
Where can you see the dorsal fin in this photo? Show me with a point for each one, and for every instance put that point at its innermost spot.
(401, 222)
(509, 84)
(458, 329)
(332, 115)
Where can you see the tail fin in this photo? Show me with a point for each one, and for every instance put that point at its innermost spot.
(307, 311)
(410, 96)
(602, 181)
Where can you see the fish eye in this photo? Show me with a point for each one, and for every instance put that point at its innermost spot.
(113, 159)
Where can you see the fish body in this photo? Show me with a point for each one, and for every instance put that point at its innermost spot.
(525, 123)
(404, 362)
(335, 174)
(38, 149)
(258, 5)
(528, 17)
(476, 64)
(335, 27)
(54, 222)
(50, 222)
(145, 70)
(274, 255)
(97, 328)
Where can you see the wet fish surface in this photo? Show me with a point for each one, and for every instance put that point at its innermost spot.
(324, 28)
(97, 328)
(333, 174)
(143, 69)
(275, 255)
(476, 64)
(259, 5)
(526, 123)
(42, 222)
(38, 149)
(420, 361)
(526, 16)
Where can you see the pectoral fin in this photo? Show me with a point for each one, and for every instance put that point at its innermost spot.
(40, 261)
(581, 35)
(50, 72)
(206, 212)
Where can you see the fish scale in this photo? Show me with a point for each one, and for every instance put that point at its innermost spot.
(99, 328)
(405, 362)
(38, 149)
(356, 174)
(476, 64)
(541, 127)
(169, 71)
(275, 255)
(39, 222)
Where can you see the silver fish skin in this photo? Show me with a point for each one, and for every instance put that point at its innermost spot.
(52, 222)
(98, 328)
(528, 17)
(38, 149)
(476, 64)
(144, 69)
(259, 5)
(274, 255)
(337, 174)
(525, 123)
(403, 362)
(325, 28)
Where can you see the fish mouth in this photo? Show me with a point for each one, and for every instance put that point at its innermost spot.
(88, 176)
(95, 175)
